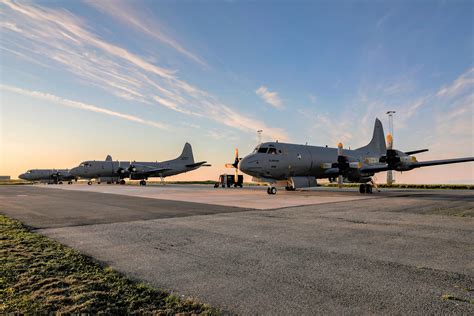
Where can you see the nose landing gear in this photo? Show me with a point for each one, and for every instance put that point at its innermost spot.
(142, 182)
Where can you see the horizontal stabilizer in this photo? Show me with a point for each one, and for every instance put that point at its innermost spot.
(413, 152)
(198, 164)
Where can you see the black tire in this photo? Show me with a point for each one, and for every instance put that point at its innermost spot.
(362, 189)
(273, 190)
(70, 182)
(268, 190)
(216, 185)
(241, 185)
(60, 182)
(122, 182)
(98, 182)
(368, 188)
(89, 183)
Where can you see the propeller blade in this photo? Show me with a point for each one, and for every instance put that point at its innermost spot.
(229, 165)
(339, 149)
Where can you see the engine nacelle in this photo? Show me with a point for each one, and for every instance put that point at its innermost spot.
(302, 182)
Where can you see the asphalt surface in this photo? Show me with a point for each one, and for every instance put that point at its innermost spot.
(397, 253)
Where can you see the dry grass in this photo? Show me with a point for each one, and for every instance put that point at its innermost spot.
(39, 275)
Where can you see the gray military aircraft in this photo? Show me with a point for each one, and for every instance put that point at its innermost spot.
(117, 171)
(299, 166)
(56, 176)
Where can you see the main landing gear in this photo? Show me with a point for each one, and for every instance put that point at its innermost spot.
(271, 190)
(122, 182)
(89, 183)
(365, 188)
(142, 182)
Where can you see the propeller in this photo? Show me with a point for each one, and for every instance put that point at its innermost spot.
(391, 158)
(235, 164)
(343, 164)
(395, 160)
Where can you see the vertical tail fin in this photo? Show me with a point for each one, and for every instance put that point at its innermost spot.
(187, 154)
(377, 146)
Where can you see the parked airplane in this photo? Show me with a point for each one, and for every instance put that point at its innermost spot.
(102, 170)
(56, 176)
(298, 166)
(114, 171)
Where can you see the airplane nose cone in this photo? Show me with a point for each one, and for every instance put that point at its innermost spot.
(22, 176)
(249, 165)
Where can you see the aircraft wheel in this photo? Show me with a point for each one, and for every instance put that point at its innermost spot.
(272, 190)
(362, 188)
(122, 182)
(89, 183)
(60, 182)
(70, 182)
(368, 188)
(142, 182)
(98, 182)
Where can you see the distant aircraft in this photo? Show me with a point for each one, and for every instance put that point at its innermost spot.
(298, 166)
(56, 176)
(118, 170)
(104, 171)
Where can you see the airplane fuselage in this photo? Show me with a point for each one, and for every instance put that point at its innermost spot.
(281, 161)
(47, 175)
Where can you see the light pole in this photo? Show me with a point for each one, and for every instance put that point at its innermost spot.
(390, 175)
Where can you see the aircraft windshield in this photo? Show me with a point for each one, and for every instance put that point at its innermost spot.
(262, 150)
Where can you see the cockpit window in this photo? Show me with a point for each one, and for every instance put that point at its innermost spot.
(272, 151)
(85, 164)
(262, 150)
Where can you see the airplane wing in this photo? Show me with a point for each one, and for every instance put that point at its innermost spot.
(414, 165)
(145, 170)
(198, 164)
(440, 162)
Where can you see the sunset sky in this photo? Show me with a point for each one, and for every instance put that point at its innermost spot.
(83, 79)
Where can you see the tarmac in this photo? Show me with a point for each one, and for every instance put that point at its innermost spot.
(322, 251)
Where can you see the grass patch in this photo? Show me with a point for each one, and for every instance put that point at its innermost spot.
(449, 297)
(410, 186)
(14, 182)
(39, 275)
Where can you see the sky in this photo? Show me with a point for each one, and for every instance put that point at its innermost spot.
(83, 79)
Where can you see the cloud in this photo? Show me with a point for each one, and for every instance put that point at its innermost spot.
(80, 105)
(126, 13)
(464, 81)
(312, 98)
(62, 40)
(269, 97)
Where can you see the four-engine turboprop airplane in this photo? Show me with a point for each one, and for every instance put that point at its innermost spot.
(114, 171)
(56, 176)
(298, 166)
